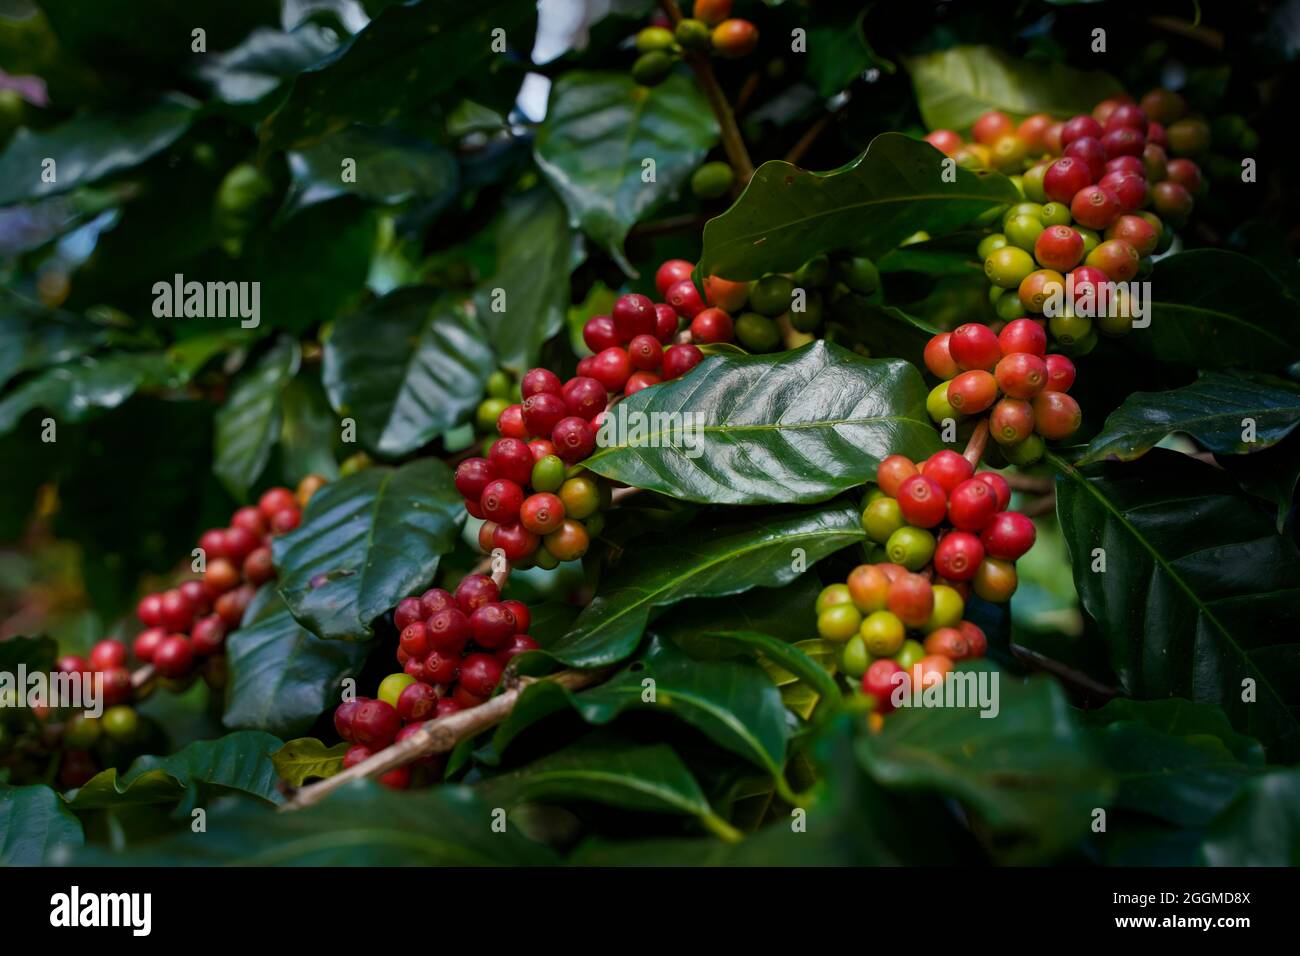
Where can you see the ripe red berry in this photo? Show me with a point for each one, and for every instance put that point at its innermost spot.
(492, 626)
(465, 699)
(474, 591)
(1123, 142)
(1022, 335)
(974, 346)
(972, 505)
(213, 543)
(1021, 375)
(640, 380)
(893, 471)
(1079, 127)
(208, 636)
(911, 599)
(1129, 188)
(672, 272)
(472, 476)
(1060, 373)
(542, 513)
(1128, 115)
(575, 439)
(117, 684)
(542, 411)
(515, 540)
(938, 357)
(414, 639)
(947, 642)
(666, 322)
(523, 617)
(149, 610)
(975, 638)
(680, 359)
(585, 397)
(1008, 536)
(1185, 173)
(145, 643)
(510, 423)
(710, 326)
(1056, 415)
(957, 555)
(611, 368)
(230, 607)
(446, 707)
(511, 458)
(107, 653)
(518, 645)
(276, 499)
(1011, 421)
(634, 314)
(355, 755)
(479, 674)
(177, 611)
(1136, 231)
(879, 682)
(1116, 258)
(645, 352)
(1172, 201)
(922, 501)
(685, 299)
(343, 716)
(407, 612)
(999, 485)
(1088, 282)
(1059, 248)
(197, 594)
(599, 333)
(282, 522)
(501, 501)
(948, 468)
(1064, 178)
(174, 656)
(448, 631)
(1091, 152)
(991, 126)
(487, 532)
(1095, 207)
(259, 567)
(375, 723)
(972, 392)
(538, 381)
(417, 702)
(1126, 164)
(250, 519)
(441, 668)
(240, 543)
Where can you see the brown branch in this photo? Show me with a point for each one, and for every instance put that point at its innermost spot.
(747, 91)
(979, 440)
(732, 142)
(670, 224)
(142, 676)
(439, 736)
(807, 139)
(1067, 674)
(1045, 504)
(1030, 483)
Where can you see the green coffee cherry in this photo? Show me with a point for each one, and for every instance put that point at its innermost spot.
(499, 385)
(839, 623)
(1031, 209)
(1023, 231)
(936, 403)
(489, 410)
(991, 242)
(860, 274)
(81, 732)
(809, 318)
(831, 595)
(757, 333)
(814, 272)
(391, 687)
(545, 560)
(651, 69)
(1031, 183)
(652, 39)
(1025, 453)
(854, 659)
(770, 295)
(548, 473)
(881, 519)
(909, 654)
(241, 199)
(712, 180)
(122, 723)
(694, 35)
(1069, 328)
(911, 547)
(882, 633)
(1056, 214)
(1009, 306)
(948, 608)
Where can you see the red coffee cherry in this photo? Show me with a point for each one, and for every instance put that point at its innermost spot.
(1123, 142)
(149, 610)
(474, 591)
(640, 380)
(501, 501)
(407, 612)
(446, 707)
(145, 643)
(1023, 335)
(975, 638)
(511, 458)
(957, 555)
(1008, 536)
(893, 471)
(1056, 415)
(518, 645)
(634, 314)
(213, 543)
(670, 273)
(282, 522)
(974, 346)
(1095, 207)
(240, 543)
(417, 702)
(479, 674)
(611, 368)
(117, 684)
(343, 716)
(541, 413)
(947, 642)
(599, 333)
(938, 357)
(1091, 152)
(880, 681)
(375, 723)
(276, 499)
(911, 599)
(1136, 231)
(1011, 421)
(922, 502)
(414, 639)
(575, 439)
(680, 359)
(208, 636)
(1079, 127)
(1021, 375)
(174, 656)
(1064, 178)
(645, 352)
(1185, 173)
(510, 423)
(259, 567)
(972, 392)
(948, 468)
(1126, 164)
(441, 668)
(666, 322)
(972, 505)
(472, 476)
(1060, 373)
(542, 513)
(523, 617)
(177, 611)
(685, 299)
(539, 381)
(1129, 188)
(492, 626)
(355, 755)
(107, 654)
(1059, 248)
(250, 519)
(230, 607)
(711, 326)
(999, 486)
(515, 540)
(585, 397)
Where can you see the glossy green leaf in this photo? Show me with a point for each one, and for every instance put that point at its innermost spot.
(1027, 771)
(248, 424)
(406, 368)
(78, 390)
(523, 303)
(33, 821)
(954, 86)
(307, 758)
(717, 559)
(32, 337)
(266, 58)
(600, 131)
(794, 427)
(1272, 474)
(389, 167)
(308, 431)
(87, 148)
(1262, 828)
(367, 541)
(403, 60)
(1213, 410)
(1217, 309)
(1199, 597)
(898, 186)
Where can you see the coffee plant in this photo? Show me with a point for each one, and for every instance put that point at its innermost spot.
(723, 433)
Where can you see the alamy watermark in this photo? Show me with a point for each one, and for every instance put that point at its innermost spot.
(624, 428)
(179, 299)
(21, 688)
(973, 689)
(1091, 300)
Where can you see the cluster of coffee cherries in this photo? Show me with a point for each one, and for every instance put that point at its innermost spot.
(453, 648)
(635, 346)
(942, 518)
(1010, 376)
(710, 29)
(871, 616)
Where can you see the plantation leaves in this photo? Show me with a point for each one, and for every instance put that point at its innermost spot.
(87, 148)
(896, 187)
(406, 58)
(731, 701)
(1027, 772)
(1212, 410)
(601, 129)
(390, 167)
(793, 427)
(1199, 593)
(1217, 309)
(367, 541)
(32, 337)
(720, 559)
(954, 86)
(300, 760)
(78, 390)
(248, 425)
(407, 367)
(33, 820)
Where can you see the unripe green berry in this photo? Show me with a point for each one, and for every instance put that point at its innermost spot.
(814, 272)
(839, 623)
(882, 633)
(809, 318)
(121, 723)
(1069, 328)
(911, 652)
(860, 274)
(831, 595)
(936, 403)
(694, 35)
(1025, 453)
(489, 410)
(391, 687)
(548, 473)
(854, 659)
(712, 180)
(948, 608)
(499, 385)
(757, 333)
(651, 69)
(770, 295)
(655, 38)
(1056, 214)
(882, 518)
(911, 547)
(989, 244)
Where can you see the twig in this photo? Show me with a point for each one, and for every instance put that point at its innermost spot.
(1206, 36)
(1045, 504)
(1065, 673)
(747, 90)
(979, 440)
(808, 138)
(439, 736)
(732, 142)
(142, 676)
(1030, 483)
(685, 223)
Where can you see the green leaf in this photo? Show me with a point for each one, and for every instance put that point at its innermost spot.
(787, 215)
(407, 367)
(1262, 828)
(282, 677)
(1026, 772)
(306, 758)
(725, 558)
(1185, 614)
(307, 432)
(599, 130)
(1216, 309)
(731, 701)
(254, 70)
(78, 390)
(373, 537)
(248, 424)
(32, 337)
(239, 761)
(535, 253)
(391, 167)
(1272, 474)
(35, 653)
(33, 821)
(406, 58)
(794, 427)
(362, 824)
(838, 52)
(954, 86)
(1211, 410)
(87, 148)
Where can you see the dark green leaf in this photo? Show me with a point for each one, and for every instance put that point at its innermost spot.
(33, 821)
(253, 70)
(249, 423)
(74, 392)
(1213, 410)
(307, 432)
(1272, 474)
(306, 758)
(406, 368)
(794, 427)
(600, 129)
(35, 653)
(954, 86)
(390, 167)
(33, 337)
(725, 558)
(1262, 828)
(1204, 615)
(374, 537)
(896, 187)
